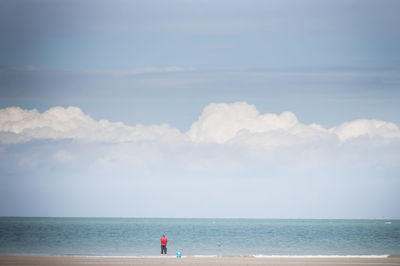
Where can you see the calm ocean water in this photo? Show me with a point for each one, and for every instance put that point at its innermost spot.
(140, 237)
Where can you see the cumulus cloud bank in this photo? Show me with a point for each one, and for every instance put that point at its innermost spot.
(220, 123)
(233, 162)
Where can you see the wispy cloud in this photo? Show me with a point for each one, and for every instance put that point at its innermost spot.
(28, 68)
(141, 71)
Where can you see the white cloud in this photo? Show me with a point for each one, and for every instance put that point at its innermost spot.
(242, 123)
(235, 123)
(364, 127)
(18, 125)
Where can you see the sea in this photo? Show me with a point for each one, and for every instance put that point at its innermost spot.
(140, 237)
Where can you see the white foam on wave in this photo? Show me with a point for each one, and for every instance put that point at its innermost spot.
(323, 256)
(203, 256)
(255, 256)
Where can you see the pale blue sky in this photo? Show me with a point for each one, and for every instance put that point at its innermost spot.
(78, 35)
(153, 62)
(339, 57)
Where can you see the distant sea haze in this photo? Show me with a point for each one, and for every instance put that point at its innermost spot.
(199, 237)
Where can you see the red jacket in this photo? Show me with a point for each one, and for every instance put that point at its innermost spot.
(164, 241)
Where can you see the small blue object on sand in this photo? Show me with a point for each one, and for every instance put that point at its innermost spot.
(178, 254)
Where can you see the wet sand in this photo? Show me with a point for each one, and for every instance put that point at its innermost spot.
(155, 261)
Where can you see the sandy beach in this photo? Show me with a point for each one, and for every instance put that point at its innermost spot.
(77, 260)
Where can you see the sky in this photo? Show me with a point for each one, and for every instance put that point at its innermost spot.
(183, 108)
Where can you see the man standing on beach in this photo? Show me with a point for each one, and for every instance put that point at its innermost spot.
(164, 241)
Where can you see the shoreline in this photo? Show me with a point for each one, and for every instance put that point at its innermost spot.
(201, 261)
(372, 256)
(349, 256)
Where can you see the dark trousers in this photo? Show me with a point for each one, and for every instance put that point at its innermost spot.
(163, 249)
